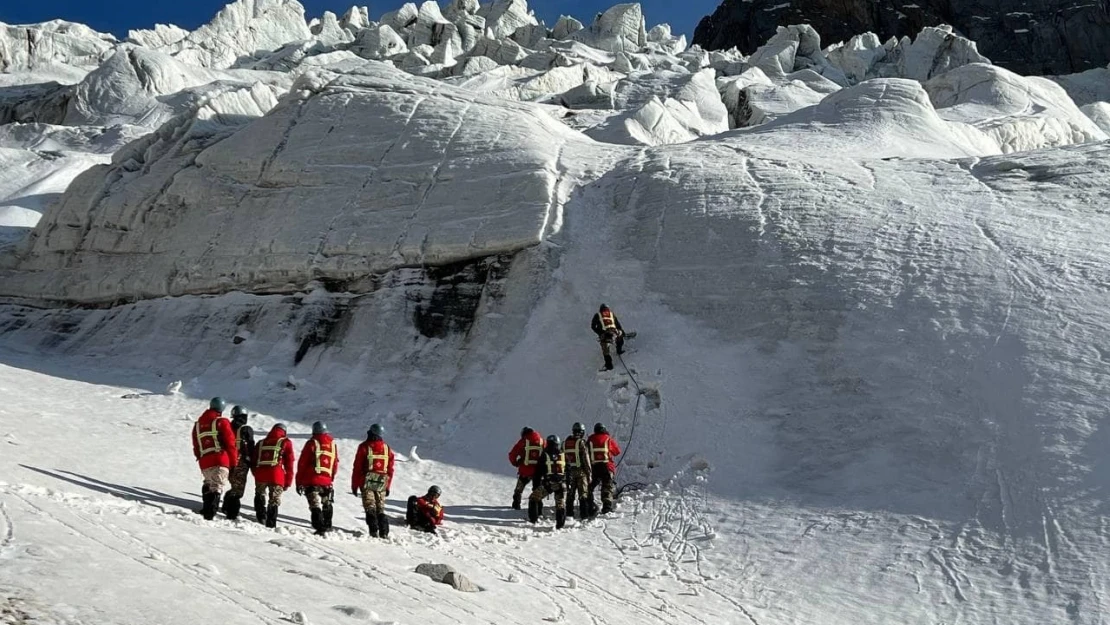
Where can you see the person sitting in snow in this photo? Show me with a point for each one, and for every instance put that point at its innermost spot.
(425, 513)
(609, 331)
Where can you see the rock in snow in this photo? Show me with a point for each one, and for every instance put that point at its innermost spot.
(438, 572)
(460, 582)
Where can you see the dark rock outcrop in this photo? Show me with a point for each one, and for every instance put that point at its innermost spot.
(1025, 36)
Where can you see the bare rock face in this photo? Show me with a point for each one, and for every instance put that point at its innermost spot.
(1039, 37)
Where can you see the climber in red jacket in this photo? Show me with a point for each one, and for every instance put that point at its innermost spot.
(525, 455)
(425, 513)
(602, 449)
(316, 474)
(273, 473)
(215, 449)
(372, 477)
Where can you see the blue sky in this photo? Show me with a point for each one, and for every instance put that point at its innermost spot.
(117, 16)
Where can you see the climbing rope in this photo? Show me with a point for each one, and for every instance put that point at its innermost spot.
(635, 410)
(630, 487)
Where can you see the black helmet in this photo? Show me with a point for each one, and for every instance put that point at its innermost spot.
(599, 428)
(603, 307)
(554, 440)
(375, 431)
(218, 404)
(239, 413)
(278, 426)
(434, 491)
(319, 427)
(578, 429)
(526, 432)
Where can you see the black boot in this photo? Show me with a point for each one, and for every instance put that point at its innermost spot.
(590, 509)
(570, 509)
(383, 525)
(271, 516)
(539, 508)
(232, 503)
(608, 363)
(372, 524)
(606, 507)
(516, 501)
(210, 505)
(326, 518)
(533, 511)
(410, 512)
(560, 518)
(260, 508)
(317, 518)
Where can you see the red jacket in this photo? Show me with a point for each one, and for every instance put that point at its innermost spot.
(602, 450)
(214, 441)
(273, 459)
(526, 454)
(382, 463)
(430, 510)
(319, 462)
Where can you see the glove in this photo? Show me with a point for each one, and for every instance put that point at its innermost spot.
(300, 490)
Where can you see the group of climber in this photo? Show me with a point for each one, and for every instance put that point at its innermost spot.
(578, 464)
(227, 452)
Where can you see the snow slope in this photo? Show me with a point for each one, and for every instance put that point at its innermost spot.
(865, 386)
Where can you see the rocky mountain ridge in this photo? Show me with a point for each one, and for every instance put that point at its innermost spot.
(1031, 37)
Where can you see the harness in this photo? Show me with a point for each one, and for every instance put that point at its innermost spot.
(274, 450)
(600, 453)
(208, 441)
(324, 468)
(532, 453)
(555, 465)
(435, 509)
(608, 321)
(573, 458)
(373, 458)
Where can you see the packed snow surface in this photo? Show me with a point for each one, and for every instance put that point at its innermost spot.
(867, 280)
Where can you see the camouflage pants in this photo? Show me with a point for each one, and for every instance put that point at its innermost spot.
(521, 482)
(607, 344)
(602, 477)
(319, 497)
(547, 487)
(578, 486)
(270, 493)
(215, 478)
(373, 493)
(238, 479)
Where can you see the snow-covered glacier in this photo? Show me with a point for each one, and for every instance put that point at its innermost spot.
(868, 282)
